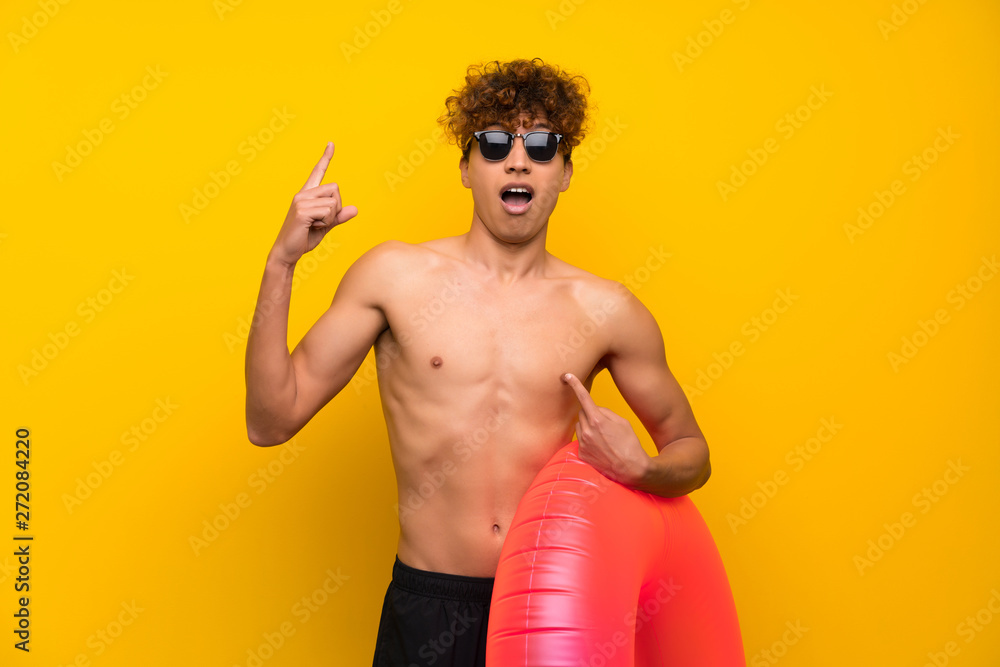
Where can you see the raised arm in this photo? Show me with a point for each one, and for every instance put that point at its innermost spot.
(285, 390)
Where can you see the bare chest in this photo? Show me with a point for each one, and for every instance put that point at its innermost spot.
(448, 327)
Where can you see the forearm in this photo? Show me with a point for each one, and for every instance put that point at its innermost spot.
(681, 467)
(270, 377)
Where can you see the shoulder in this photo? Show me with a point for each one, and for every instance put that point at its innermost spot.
(596, 293)
(389, 258)
(386, 251)
(373, 274)
(386, 267)
(394, 251)
(628, 322)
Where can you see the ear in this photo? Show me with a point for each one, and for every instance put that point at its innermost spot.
(463, 165)
(567, 174)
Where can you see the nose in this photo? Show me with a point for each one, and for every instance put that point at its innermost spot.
(517, 160)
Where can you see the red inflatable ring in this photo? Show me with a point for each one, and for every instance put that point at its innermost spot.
(594, 574)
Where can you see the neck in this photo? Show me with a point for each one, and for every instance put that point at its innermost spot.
(508, 259)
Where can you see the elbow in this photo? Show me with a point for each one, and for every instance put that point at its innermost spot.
(706, 473)
(264, 437)
(256, 439)
(264, 429)
(254, 433)
(263, 440)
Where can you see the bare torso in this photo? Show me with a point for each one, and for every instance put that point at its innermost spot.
(469, 376)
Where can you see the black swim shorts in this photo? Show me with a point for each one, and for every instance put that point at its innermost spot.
(432, 618)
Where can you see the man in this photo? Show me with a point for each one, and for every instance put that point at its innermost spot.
(482, 369)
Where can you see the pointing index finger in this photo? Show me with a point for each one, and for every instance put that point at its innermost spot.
(316, 177)
(582, 395)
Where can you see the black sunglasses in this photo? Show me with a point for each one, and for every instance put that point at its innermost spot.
(495, 145)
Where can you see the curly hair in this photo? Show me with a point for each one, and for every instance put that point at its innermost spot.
(498, 93)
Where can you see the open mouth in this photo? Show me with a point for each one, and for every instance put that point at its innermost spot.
(516, 198)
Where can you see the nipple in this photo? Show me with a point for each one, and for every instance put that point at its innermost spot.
(436, 362)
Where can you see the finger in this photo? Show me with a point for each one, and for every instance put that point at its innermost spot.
(346, 214)
(318, 192)
(582, 395)
(328, 211)
(331, 216)
(320, 214)
(314, 214)
(316, 177)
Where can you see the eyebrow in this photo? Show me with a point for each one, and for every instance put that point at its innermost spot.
(538, 123)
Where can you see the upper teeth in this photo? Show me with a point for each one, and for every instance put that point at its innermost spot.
(525, 190)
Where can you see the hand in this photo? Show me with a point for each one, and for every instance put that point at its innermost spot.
(607, 440)
(315, 210)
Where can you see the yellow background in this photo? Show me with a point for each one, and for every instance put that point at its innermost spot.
(175, 330)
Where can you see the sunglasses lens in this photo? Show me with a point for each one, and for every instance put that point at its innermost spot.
(495, 145)
(541, 146)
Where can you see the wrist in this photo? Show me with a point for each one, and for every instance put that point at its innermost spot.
(645, 472)
(277, 262)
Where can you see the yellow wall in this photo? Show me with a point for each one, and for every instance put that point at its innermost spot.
(162, 97)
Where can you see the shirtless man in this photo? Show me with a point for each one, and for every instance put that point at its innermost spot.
(475, 392)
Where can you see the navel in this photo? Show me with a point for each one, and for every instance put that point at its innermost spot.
(436, 362)
(496, 529)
